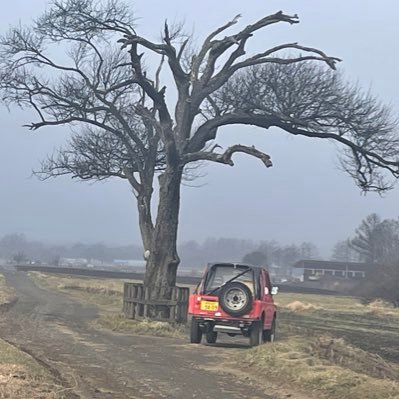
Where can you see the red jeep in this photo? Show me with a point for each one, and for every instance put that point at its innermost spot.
(234, 299)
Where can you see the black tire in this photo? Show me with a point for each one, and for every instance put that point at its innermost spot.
(256, 334)
(270, 335)
(235, 299)
(211, 337)
(195, 332)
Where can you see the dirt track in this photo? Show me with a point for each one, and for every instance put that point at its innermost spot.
(56, 330)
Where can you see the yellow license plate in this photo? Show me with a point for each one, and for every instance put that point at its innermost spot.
(207, 305)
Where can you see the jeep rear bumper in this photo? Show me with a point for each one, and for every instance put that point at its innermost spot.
(225, 326)
(227, 329)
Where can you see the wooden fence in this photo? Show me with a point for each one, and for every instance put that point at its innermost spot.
(138, 305)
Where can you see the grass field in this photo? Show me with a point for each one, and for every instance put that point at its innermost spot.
(331, 346)
(6, 293)
(371, 327)
(106, 293)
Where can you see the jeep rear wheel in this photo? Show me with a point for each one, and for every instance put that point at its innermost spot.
(270, 335)
(211, 337)
(195, 332)
(235, 299)
(256, 334)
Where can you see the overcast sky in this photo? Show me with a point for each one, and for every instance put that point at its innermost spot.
(304, 197)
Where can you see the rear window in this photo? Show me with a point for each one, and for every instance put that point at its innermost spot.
(220, 274)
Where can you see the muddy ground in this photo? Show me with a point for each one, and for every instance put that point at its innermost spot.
(56, 330)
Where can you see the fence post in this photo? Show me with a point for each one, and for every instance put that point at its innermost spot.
(139, 295)
(172, 310)
(137, 303)
(146, 299)
(125, 303)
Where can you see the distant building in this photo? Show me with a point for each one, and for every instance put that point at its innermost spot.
(73, 262)
(281, 274)
(313, 270)
(129, 262)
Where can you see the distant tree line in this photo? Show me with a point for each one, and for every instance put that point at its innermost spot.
(272, 253)
(194, 255)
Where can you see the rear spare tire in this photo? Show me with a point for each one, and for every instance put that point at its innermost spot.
(195, 332)
(235, 299)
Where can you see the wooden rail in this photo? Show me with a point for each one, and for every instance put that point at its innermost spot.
(138, 305)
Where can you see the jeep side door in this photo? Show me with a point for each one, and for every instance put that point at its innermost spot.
(267, 299)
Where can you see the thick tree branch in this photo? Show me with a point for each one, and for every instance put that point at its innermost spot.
(206, 46)
(226, 157)
(209, 130)
(283, 61)
(166, 49)
(166, 121)
(182, 113)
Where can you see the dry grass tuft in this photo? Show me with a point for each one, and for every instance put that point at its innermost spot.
(91, 284)
(327, 367)
(99, 290)
(381, 308)
(338, 352)
(21, 377)
(17, 381)
(119, 323)
(298, 306)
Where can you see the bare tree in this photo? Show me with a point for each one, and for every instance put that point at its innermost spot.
(367, 238)
(344, 252)
(125, 126)
(376, 240)
(309, 251)
(19, 258)
(256, 258)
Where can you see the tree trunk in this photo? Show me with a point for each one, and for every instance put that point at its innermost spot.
(145, 219)
(160, 276)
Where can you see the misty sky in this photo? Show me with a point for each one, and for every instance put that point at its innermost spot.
(304, 197)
